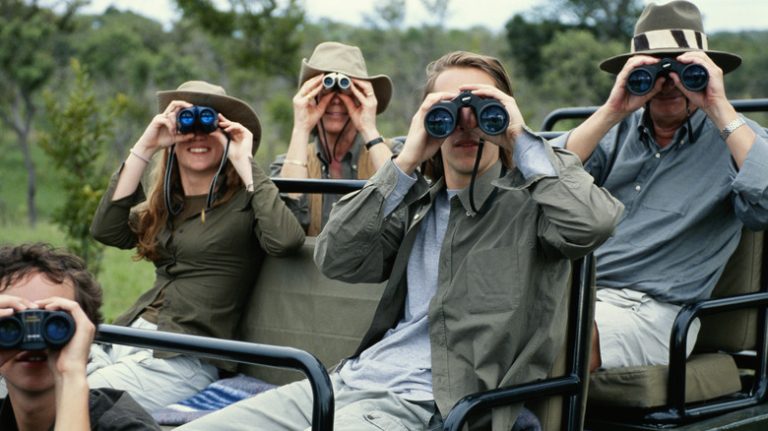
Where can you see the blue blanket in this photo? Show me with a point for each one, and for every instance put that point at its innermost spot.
(215, 396)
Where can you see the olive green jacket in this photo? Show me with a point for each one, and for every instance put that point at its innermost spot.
(206, 269)
(498, 317)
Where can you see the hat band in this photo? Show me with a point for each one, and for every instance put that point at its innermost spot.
(669, 39)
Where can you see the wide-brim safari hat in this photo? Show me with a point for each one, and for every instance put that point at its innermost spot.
(670, 29)
(340, 58)
(202, 93)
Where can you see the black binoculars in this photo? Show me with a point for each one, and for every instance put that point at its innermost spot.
(36, 330)
(336, 82)
(197, 119)
(441, 119)
(641, 80)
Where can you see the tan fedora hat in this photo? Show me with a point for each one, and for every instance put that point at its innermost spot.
(670, 29)
(340, 58)
(202, 93)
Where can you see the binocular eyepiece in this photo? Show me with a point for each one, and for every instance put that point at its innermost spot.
(441, 119)
(336, 82)
(36, 330)
(641, 80)
(197, 119)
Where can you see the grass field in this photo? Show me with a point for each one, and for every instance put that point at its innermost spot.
(122, 278)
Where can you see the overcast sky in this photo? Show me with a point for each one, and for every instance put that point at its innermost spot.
(732, 15)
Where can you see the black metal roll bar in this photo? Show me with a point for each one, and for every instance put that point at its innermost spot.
(236, 351)
(573, 113)
(676, 410)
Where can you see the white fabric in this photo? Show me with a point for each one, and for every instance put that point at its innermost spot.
(634, 329)
(153, 382)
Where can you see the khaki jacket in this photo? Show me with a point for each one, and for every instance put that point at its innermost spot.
(206, 270)
(499, 315)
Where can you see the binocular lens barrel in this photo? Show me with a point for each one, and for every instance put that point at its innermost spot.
(10, 332)
(343, 82)
(640, 82)
(439, 122)
(493, 119)
(695, 77)
(329, 81)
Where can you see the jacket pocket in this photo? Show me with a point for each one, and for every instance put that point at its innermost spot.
(494, 280)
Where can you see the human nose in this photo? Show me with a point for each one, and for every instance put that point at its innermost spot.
(467, 119)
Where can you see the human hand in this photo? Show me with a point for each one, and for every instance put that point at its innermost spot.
(419, 145)
(9, 305)
(161, 131)
(714, 94)
(307, 108)
(240, 151)
(621, 102)
(72, 358)
(516, 121)
(362, 109)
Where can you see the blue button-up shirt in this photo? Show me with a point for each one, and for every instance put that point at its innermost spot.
(685, 206)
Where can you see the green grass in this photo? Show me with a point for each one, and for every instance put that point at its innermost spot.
(122, 278)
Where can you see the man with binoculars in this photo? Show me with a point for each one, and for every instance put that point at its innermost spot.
(477, 262)
(49, 306)
(691, 172)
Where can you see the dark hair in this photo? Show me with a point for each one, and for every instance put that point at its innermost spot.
(433, 168)
(58, 266)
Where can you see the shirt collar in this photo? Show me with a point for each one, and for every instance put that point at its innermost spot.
(695, 121)
(352, 154)
(483, 189)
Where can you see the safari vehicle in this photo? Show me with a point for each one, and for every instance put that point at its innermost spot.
(298, 322)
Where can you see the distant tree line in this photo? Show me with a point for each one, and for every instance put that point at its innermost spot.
(254, 49)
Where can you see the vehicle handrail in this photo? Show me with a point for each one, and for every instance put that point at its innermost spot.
(236, 351)
(577, 112)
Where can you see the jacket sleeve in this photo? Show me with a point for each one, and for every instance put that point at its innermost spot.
(360, 240)
(276, 228)
(578, 216)
(110, 224)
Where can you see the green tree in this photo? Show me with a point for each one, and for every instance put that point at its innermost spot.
(80, 130)
(28, 43)
(262, 34)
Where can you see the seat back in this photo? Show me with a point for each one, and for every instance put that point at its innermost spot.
(294, 305)
(735, 331)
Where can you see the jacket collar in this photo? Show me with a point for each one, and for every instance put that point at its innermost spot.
(483, 190)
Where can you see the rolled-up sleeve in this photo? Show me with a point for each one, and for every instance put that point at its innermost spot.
(750, 185)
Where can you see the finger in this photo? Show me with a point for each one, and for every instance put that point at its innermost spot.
(175, 106)
(324, 101)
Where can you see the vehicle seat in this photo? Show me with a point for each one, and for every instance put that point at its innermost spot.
(711, 371)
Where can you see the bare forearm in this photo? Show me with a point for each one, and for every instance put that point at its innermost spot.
(584, 139)
(741, 140)
(72, 402)
(133, 170)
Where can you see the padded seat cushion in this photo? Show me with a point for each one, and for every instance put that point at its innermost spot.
(708, 376)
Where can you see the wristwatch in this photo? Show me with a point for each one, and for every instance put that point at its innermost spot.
(731, 127)
(373, 142)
